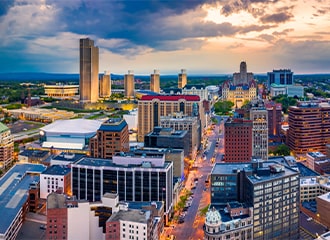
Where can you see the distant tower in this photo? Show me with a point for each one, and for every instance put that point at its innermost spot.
(105, 85)
(155, 82)
(129, 84)
(89, 71)
(182, 79)
(243, 77)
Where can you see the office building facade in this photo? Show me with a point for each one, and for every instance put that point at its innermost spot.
(61, 91)
(270, 188)
(281, 76)
(238, 140)
(112, 137)
(129, 84)
(155, 81)
(177, 121)
(274, 111)
(182, 79)
(151, 108)
(105, 85)
(133, 177)
(89, 71)
(309, 125)
(6, 146)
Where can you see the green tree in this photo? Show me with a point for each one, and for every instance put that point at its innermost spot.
(285, 101)
(223, 107)
(282, 150)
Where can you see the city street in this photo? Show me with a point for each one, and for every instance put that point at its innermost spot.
(192, 227)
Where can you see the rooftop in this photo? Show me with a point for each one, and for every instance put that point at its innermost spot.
(77, 126)
(139, 205)
(131, 215)
(34, 153)
(65, 157)
(113, 125)
(3, 127)
(171, 97)
(14, 187)
(57, 170)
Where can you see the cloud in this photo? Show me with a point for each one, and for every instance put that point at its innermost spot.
(276, 18)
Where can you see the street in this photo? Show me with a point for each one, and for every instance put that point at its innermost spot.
(192, 227)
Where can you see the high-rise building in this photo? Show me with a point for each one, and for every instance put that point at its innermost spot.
(243, 77)
(155, 81)
(151, 108)
(281, 76)
(238, 140)
(309, 125)
(129, 84)
(270, 188)
(89, 71)
(111, 137)
(182, 79)
(274, 119)
(6, 146)
(259, 117)
(178, 121)
(105, 85)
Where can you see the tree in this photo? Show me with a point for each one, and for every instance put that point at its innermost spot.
(223, 107)
(282, 150)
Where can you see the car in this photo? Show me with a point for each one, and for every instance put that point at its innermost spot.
(42, 227)
(309, 219)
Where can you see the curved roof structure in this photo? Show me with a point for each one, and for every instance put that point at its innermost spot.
(213, 217)
(78, 126)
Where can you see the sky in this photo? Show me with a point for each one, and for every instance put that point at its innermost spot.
(203, 37)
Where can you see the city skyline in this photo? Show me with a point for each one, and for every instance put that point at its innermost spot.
(203, 37)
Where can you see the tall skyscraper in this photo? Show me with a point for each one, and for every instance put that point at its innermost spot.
(105, 85)
(155, 81)
(6, 146)
(309, 128)
(129, 84)
(182, 78)
(89, 71)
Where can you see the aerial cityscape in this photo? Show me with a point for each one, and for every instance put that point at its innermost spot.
(163, 120)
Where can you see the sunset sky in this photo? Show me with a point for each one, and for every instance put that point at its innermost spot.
(203, 37)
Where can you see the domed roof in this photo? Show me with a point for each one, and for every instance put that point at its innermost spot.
(213, 217)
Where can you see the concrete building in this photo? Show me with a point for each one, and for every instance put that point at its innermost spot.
(178, 121)
(133, 177)
(14, 197)
(238, 140)
(69, 135)
(270, 188)
(89, 71)
(62, 91)
(323, 209)
(312, 157)
(112, 137)
(129, 85)
(259, 117)
(6, 146)
(233, 222)
(196, 89)
(105, 85)
(274, 117)
(182, 79)
(308, 128)
(242, 77)
(281, 76)
(289, 90)
(65, 158)
(55, 178)
(155, 82)
(151, 108)
(168, 138)
(130, 224)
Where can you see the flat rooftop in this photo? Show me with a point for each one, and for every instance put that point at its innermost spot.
(68, 157)
(131, 215)
(100, 162)
(57, 170)
(14, 187)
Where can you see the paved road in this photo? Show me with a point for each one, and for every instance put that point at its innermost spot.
(192, 228)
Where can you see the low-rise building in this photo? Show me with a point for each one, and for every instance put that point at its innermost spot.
(33, 156)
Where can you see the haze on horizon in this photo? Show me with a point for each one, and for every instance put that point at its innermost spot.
(203, 37)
